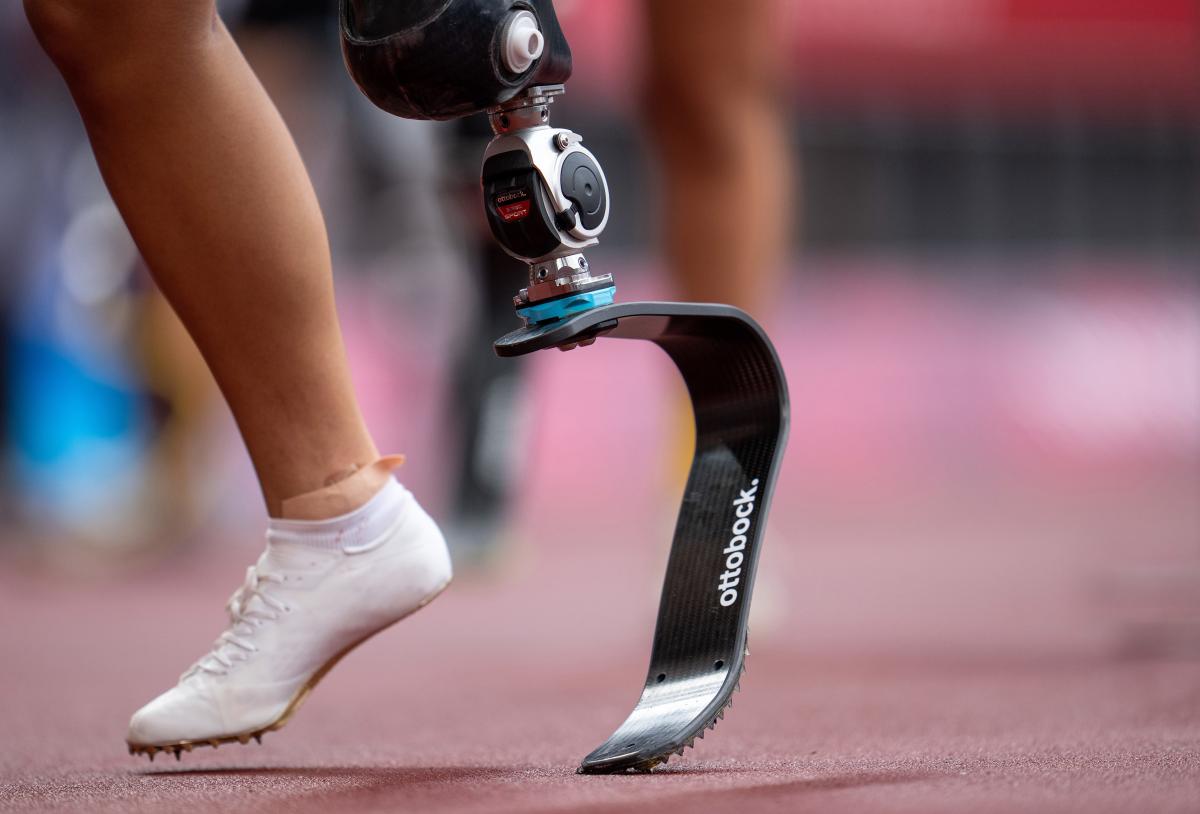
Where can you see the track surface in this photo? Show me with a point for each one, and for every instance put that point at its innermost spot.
(1015, 638)
(487, 699)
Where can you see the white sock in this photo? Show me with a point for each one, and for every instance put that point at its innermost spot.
(356, 529)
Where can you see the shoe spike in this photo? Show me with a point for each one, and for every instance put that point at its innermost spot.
(258, 737)
(243, 739)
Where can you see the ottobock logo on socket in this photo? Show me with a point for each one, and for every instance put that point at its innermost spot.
(743, 508)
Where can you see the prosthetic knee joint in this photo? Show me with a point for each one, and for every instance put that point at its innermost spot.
(545, 194)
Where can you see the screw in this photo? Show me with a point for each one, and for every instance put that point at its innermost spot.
(563, 140)
(583, 264)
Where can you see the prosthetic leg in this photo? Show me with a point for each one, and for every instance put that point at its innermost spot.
(546, 201)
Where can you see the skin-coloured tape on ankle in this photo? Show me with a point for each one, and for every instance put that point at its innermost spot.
(344, 496)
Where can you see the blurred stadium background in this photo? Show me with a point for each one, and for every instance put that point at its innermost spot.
(984, 556)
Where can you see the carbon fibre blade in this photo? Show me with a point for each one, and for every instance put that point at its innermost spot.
(740, 402)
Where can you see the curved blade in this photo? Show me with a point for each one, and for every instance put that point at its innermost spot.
(739, 398)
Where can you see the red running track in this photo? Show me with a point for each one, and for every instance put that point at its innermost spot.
(961, 635)
(486, 700)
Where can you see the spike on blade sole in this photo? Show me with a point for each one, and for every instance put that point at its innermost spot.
(650, 763)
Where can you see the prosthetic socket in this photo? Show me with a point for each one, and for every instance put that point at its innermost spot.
(443, 59)
(545, 195)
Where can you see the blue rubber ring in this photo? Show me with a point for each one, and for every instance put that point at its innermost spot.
(539, 313)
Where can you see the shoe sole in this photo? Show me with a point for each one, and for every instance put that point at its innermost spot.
(181, 746)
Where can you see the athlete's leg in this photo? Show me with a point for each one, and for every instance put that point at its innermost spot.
(214, 192)
(713, 114)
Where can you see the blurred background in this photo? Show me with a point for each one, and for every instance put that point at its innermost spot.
(987, 304)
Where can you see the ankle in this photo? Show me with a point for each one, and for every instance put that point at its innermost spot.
(347, 491)
(354, 530)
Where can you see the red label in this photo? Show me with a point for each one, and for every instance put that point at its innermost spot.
(516, 210)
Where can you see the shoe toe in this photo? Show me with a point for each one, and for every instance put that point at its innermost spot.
(182, 713)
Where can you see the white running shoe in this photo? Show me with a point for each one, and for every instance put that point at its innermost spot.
(318, 591)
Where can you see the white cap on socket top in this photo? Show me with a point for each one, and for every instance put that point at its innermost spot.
(523, 42)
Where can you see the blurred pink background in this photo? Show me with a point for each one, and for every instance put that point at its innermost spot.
(991, 331)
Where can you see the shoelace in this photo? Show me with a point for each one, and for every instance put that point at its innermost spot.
(244, 617)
